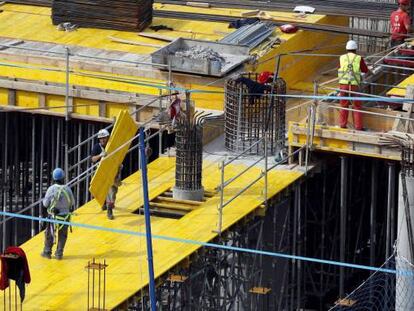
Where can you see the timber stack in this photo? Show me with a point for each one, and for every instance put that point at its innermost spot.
(131, 15)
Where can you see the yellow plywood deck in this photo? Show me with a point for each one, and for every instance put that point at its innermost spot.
(62, 285)
(400, 89)
(34, 23)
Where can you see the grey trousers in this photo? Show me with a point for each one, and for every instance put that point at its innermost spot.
(61, 236)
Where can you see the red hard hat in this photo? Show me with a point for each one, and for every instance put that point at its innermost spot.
(404, 2)
(264, 77)
(288, 28)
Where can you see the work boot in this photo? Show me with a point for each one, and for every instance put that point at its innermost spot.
(46, 255)
(58, 257)
(104, 208)
(110, 214)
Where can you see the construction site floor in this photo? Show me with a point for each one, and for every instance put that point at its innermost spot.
(62, 285)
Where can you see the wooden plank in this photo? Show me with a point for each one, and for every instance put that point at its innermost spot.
(104, 95)
(42, 100)
(179, 201)
(156, 36)
(171, 206)
(327, 133)
(118, 40)
(102, 108)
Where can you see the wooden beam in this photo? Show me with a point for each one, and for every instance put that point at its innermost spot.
(102, 108)
(77, 91)
(11, 97)
(42, 100)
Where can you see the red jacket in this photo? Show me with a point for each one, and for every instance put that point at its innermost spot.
(399, 21)
(4, 277)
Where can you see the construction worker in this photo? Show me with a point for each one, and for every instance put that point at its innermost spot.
(59, 202)
(400, 23)
(350, 72)
(98, 152)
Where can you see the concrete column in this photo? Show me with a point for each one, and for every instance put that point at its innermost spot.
(405, 286)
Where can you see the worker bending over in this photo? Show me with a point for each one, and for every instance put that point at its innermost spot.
(400, 23)
(98, 152)
(350, 72)
(60, 202)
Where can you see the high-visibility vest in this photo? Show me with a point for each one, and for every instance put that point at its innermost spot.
(350, 69)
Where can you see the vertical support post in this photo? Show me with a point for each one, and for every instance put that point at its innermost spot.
(265, 169)
(390, 210)
(343, 204)
(68, 109)
(42, 142)
(239, 116)
(5, 160)
(147, 218)
(372, 218)
(220, 208)
(32, 210)
(188, 107)
(78, 169)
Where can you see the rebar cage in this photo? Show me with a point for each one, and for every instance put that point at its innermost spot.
(249, 116)
(189, 154)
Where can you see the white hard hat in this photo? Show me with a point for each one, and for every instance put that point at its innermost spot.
(103, 133)
(351, 45)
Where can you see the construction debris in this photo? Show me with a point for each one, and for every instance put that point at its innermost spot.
(199, 52)
(67, 27)
(132, 15)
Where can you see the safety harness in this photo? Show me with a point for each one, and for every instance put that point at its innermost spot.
(349, 71)
(54, 227)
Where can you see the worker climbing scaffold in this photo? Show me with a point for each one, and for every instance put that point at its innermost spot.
(350, 72)
(98, 152)
(59, 202)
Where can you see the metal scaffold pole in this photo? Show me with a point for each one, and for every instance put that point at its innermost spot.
(344, 200)
(147, 218)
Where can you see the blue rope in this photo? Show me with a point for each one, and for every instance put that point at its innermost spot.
(208, 244)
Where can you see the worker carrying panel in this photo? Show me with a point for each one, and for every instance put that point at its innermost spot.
(124, 130)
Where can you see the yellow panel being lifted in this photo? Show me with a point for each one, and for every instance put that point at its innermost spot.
(124, 130)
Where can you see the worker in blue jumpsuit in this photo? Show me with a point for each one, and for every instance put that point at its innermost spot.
(59, 202)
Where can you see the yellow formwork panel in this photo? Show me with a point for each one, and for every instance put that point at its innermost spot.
(27, 99)
(62, 285)
(124, 129)
(4, 97)
(400, 89)
(113, 109)
(85, 106)
(297, 69)
(56, 102)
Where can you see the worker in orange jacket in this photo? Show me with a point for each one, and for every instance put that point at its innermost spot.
(400, 23)
(350, 72)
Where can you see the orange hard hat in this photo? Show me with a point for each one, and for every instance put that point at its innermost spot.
(404, 2)
(264, 77)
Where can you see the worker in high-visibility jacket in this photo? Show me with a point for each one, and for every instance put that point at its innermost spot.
(60, 203)
(350, 72)
(400, 23)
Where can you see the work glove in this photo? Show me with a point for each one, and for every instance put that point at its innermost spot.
(103, 154)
